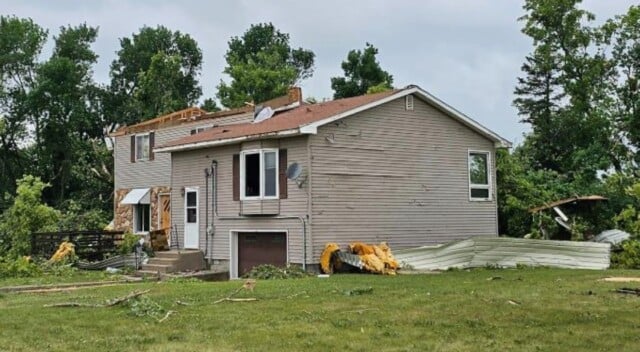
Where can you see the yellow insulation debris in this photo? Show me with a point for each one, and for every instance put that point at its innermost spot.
(66, 250)
(375, 258)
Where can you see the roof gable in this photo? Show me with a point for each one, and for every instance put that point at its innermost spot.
(307, 118)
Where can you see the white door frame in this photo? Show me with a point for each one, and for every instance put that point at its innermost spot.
(191, 226)
(233, 248)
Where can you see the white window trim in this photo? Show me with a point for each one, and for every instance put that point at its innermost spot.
(243, 154)
(489, 185)
(148, 145)
(136, 209)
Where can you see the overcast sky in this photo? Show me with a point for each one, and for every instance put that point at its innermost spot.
(466, 52)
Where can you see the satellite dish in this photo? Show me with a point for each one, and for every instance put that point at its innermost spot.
(264, 114)
(293, 171)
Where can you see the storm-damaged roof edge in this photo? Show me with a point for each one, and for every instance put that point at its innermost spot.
(219, 142)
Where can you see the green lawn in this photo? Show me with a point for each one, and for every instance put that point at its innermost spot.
(69, 277)
(551, 310)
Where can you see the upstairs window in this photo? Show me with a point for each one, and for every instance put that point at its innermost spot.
(142, 146)
(259, 174)
(479, 175)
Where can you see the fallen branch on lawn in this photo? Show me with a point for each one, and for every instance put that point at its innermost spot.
(248, 285)
(166, 316)
(109, 303)
(629, 291)
(235, 300)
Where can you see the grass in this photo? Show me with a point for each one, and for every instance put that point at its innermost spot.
(69, 276)
(551, 310)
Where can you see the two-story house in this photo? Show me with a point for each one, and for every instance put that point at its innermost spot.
(142, 182)
(400, 166)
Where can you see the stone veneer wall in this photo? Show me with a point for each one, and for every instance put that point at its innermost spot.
(123, 214)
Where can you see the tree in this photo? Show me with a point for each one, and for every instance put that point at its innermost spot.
(26, 215)
(262, 66)
(210, 105)
(362, 75)
(21, 42)
(156, 72)
(625, 33)
(65, 105)
(563, 95)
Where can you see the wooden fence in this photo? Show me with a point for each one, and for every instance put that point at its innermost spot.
(89, 245)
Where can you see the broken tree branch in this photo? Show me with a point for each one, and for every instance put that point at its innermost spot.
(166, 316)
(109, 303)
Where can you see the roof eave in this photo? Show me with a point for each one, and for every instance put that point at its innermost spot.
(221, 142)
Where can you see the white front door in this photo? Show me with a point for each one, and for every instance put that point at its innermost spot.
(191, 218)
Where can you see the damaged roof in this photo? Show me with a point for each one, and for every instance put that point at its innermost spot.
(192, 114)
(305, 119)
(566, 201)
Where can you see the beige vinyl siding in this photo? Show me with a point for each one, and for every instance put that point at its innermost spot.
(388, 174)
(157, 172)
(188, 170)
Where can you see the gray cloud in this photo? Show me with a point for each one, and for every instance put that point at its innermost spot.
(466, 52)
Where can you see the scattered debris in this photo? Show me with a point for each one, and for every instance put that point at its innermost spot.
(494, 278)
(615, 237)
(512, 302)
(183, 303)
(109, 303)
(629, 291)
(621, 279)
(358, 291)
(375, 259)
(66, 252)
(248, 285)
(166, 316)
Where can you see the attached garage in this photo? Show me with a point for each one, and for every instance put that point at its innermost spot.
(256, 248)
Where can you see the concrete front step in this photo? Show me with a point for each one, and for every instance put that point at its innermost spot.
(158, 268)
(163, 261)
(175, 261)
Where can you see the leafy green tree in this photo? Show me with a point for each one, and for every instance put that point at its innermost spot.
(65, 105)
(624, 32)
(262, 66)
(21, 42)
(156, 72)
(362, 75)
(26, 215)
(210, 105)
(563, 94)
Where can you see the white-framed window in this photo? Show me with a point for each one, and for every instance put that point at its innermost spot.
(259, 174)
(142, 146)
(141, 218)
(479, 175)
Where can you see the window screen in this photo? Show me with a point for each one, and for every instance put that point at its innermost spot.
(270, 174)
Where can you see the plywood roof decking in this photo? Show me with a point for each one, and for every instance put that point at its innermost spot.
(192, 114)
(565, 201)
(282, 121)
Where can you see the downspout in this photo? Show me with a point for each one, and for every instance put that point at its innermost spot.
(207, 174)
(214, 204)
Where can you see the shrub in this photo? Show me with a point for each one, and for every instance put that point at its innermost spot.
(268, 271)
(76, 218)
(128, 243)
(26, 215)
(19, 267)
(628, 257)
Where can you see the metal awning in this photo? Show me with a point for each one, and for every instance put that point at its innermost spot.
(137, 196)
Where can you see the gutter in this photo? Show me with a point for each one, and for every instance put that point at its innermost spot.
(205, 144)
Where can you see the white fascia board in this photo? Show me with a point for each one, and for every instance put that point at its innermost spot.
(207, 144)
